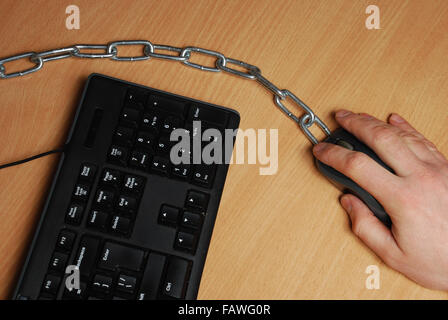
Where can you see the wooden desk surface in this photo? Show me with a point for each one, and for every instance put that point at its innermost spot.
(280, 236)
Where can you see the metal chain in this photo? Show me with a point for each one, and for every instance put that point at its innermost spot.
(150, 50)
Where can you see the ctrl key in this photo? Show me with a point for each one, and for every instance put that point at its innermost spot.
(176, 279)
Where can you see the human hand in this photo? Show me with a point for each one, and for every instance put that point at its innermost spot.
(415, 197)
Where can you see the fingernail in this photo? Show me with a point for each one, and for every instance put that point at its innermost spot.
(342, 113)
(396, 118)
(346, 204)
(319, 147)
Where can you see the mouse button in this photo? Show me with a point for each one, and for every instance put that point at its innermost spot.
(345, 144)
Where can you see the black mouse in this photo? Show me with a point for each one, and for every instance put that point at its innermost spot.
(345, 139)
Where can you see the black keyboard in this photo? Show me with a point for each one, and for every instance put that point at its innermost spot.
(135, 224)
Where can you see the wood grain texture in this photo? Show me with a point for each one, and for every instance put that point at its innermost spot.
(281, 236)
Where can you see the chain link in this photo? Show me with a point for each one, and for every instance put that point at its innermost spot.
(183, 55)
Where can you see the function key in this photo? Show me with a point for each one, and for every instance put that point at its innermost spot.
(124, 136)
(115, 255)
(185, 241)
(51, 284)
(111, 177)
(197, 200)
(191, 220)
(176, 278)
(81, 192)
(58, 261)
(169, 215)
(74, 213)
(118, 155)
(207, 114)
(87, 171)
(133, 184)
(65, 240)
(203, 174)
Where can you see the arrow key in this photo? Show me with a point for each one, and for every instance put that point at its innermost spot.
(185, 241)
(169, 215)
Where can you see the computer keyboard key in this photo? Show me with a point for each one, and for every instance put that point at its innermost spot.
(197, 200)
(181, 170)
(120, 225)
(133, 184)
(166, 104)
(160, 164)
(51, 284)
(58, 262)
(139, 160)
(124, 136)
(118, 155)
(130, 117)
(152, 276)
(102, 283)
(135, 99)
(191, 220)
(104, 198)
(176, 278)
(126, 283)
(115, 255)
(98, 219)
(145, 140)
(169, 215)
(127, 204)
(110, 177)
(198, 113)
(87, 171)
(163, 146)
(74, 213)
(171, 123)
(151, 122)
(76, 294)
(86, 256)
(81, 192)
(185, 241)
(65, 240)
(203, 174)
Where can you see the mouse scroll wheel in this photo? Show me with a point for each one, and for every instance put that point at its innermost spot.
(345, 144)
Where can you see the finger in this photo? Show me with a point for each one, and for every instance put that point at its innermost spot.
(382, 138)
(422, 147)
(370, 230)
(370, 175)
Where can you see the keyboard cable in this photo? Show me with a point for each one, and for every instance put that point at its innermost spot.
(37, 156)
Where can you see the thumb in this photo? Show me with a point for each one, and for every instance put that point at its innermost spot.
(370, 230)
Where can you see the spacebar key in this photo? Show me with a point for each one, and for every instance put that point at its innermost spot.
(176, 278)
(149, 288)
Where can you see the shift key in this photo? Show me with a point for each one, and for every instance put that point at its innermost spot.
(149, 288)
(85, 259)
(115, 256)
